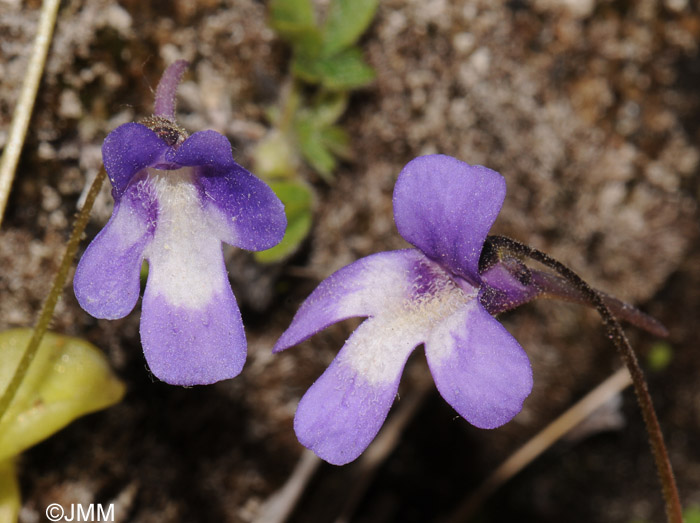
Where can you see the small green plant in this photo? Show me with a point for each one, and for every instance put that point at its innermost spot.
(326, 66)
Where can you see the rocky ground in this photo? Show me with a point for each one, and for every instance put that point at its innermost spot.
(591, 111)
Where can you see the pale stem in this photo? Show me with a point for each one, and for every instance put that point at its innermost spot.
(25, 103)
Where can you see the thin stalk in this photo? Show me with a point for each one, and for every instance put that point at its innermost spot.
(25, 103)
(59, 281)
(674, 511)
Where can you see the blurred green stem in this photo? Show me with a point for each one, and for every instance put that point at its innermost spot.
(674, 511)
(49, 306)
(25, 104)
(290, 104)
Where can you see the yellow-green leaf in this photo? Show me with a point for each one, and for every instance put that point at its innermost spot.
(68, 378)
(287, 17)
(10, 501)
(274, 157)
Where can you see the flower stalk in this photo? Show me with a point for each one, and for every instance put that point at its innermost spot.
(674, 511)
(49, 306)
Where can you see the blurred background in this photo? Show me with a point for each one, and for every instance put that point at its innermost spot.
(591, 111)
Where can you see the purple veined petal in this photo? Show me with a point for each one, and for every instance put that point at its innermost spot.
(344, 409)
(107, 279)
(251, 216)
(127, 150)
(191, 327)
(446, 207)
(382, 283)
(478, 367)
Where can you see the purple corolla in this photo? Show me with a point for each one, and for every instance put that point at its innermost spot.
(176, 199)
(429, 295)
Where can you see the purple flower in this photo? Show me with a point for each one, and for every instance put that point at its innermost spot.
(429, 295)
(176, 199)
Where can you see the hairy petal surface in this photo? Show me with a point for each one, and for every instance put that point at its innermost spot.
(446, 207)
(478, 367)
(191, 327)
(344, 409)
(128, 149)
(107, 279)
(383, 283)
(250, 216)
(193, 346)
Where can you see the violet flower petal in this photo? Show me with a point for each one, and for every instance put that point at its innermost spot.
(366, 287)
(193, 345)
(342, 412)
(446, 207)
(251, 215)
(207, 148)
(107, 279)
(127, 150)
(478, 367)
(191, 327)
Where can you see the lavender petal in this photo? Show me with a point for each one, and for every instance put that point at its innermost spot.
(193, 346)
(107, 279)
(367, 287)
(478, 367)
(344, 409)
(446, 207)
(190, 325)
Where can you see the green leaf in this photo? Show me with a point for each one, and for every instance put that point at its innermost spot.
(68, 378)
(10, 501)
(345, 23)
(346, 70)
(298, 203)
(329, 107)
(312, 147)
(692, 514)
(336, 139)
(305, 68)
(290, 17)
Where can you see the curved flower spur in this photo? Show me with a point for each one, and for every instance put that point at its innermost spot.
(441, 294)
(176, 199)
